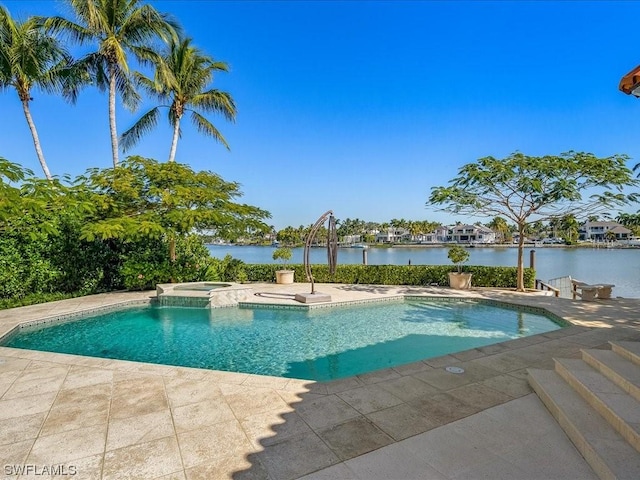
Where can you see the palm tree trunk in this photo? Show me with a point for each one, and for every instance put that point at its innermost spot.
(174, 140)
(112, 116)
(36, 139)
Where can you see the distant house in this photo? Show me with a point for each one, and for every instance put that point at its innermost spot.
(349, 239)
(597, 231)
(439, 235)
(442, 234)
(470, 234)
(393, 235)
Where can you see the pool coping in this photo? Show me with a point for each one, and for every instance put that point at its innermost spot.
(495, 379)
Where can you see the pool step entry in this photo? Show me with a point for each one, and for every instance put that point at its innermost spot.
(596, 400)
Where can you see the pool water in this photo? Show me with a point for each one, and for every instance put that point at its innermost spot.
(315, 344)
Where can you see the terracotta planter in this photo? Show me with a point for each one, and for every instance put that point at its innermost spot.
(284, 277)
(460, 281)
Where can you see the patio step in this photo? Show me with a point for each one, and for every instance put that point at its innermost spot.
(616, 368)
(617, 407)
(606, 451)
(628, 350)
(596, 400)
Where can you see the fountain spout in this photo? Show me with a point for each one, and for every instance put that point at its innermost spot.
(332, 255)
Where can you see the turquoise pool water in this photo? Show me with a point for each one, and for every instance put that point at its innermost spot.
(316, 344)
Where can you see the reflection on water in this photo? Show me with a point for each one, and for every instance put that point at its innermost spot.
(620, 267)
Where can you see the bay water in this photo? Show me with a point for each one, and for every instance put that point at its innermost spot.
(620, 267)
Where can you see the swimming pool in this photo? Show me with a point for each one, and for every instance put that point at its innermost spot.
(315, 344)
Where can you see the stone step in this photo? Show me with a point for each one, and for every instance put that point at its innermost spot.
(606, 451)
(629, 350)
(617, 407)
(616, 368)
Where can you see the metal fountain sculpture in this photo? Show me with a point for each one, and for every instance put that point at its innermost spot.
(332, 255)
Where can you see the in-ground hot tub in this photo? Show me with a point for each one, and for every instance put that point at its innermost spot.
(201, 286)
(202, 294)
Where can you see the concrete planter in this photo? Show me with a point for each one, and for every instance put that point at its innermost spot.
(284, 277)
(460, 281)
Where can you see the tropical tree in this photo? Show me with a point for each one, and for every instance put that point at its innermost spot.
(526, 189)
(147, 199)
(29, 58)
(118, 27)
(538, 229)
(570, 226)
(181, 82)
(630, 220)
(289, 236)
(501, 227)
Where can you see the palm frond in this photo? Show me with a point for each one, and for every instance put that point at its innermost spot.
(127, 89)
(66, 29)
(205, 127)
(216, 101)
(143, 126)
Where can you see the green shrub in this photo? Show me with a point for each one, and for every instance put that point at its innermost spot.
(483, 276)
(228, 269)
(458, 255)
(283, 254)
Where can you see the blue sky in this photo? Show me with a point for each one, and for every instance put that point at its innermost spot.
(362, 107)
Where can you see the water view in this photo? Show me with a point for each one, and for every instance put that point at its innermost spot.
(620, 267)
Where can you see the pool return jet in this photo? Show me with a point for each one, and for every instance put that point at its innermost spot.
(332, 255)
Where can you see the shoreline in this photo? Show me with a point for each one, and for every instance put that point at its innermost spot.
(446, 245)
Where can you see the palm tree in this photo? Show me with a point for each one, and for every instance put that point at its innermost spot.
(181, 80)
(118, 27)
(569, 223)
(30, 58)
(500, 226)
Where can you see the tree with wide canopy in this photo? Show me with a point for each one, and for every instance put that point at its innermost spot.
(146, 199)
(525, 189)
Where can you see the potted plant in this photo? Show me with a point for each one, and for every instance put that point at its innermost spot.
(284, 276)
(458, 280)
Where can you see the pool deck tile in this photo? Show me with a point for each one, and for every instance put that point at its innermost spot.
(370, 398)
(354, 437)
(119, 419)
(407, 388)
(401, 421)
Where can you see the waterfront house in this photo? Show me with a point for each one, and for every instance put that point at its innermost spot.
(470, 234)
(597, 231)
(439, 235)
(351, 239)
(393, 235)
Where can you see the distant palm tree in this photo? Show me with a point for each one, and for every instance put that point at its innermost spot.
(569, 223)
(30, 58)
(500, 226)
(118, 27)
(181, 80)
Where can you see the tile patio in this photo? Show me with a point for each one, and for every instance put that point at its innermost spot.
(114, 419)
